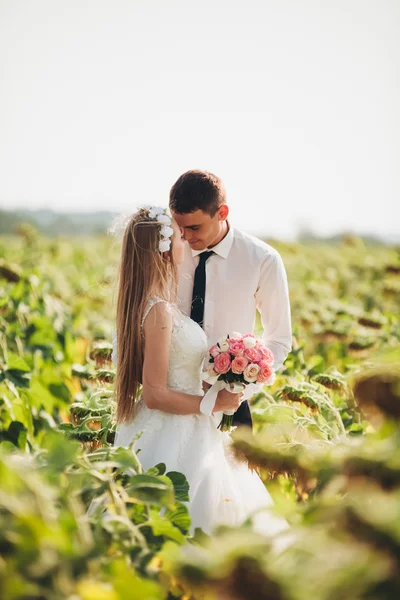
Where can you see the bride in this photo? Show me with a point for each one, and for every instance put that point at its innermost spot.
(163, 350)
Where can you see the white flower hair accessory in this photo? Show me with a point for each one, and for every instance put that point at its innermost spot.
(156, 213)
(166, 232)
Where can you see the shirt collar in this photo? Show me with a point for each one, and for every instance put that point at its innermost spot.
(223, 248)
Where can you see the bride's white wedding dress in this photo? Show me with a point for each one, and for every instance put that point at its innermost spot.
(222, 490)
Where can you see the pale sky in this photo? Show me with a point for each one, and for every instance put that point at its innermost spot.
(295, 104)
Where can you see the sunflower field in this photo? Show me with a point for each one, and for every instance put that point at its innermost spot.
(82, 520)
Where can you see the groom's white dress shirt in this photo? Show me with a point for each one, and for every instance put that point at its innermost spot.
(243, 275)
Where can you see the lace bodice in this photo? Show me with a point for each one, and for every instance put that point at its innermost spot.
(188, 350)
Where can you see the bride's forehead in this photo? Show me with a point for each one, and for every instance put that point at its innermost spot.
(175, 225)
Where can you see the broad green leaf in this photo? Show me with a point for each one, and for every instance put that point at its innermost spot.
(41, 396)
(162, 526)
(61, 452)
(181, 485)
(61, 391)
(7, 446)
(16, 363)
(20, 378)
(180, 517)
(124, 458)
(150, 489)
(17, 434)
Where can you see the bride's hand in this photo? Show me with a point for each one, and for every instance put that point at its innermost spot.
(227, 401)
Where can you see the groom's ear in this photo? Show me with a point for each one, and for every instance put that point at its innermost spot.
(223, 212)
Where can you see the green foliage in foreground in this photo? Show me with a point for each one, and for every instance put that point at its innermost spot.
(80, 520)
(345, 539)
(52, 548)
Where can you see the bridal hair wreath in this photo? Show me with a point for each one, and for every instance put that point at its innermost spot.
(155, 213)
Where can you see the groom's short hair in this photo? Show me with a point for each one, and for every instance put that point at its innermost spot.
(197, 190)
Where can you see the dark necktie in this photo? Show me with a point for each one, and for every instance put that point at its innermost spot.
(199, 289)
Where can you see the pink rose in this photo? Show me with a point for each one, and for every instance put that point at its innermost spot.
(266, 372)
(222, 363)
(239, 364)
(253, 354)
(251, 373)
(266, 354)
(236, 347)
(214, 351)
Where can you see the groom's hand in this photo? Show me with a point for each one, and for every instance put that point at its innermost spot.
(227, 401)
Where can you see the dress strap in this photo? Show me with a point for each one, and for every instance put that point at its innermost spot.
(150, 303)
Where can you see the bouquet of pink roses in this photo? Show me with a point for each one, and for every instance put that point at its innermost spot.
(235, 362)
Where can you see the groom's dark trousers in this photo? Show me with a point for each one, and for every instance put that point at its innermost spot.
(242, 416)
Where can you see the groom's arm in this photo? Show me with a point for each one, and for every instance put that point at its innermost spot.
(272, 301)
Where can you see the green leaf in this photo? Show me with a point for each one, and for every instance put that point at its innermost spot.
(116, 458)
(17, 434)
(21, 379)
(181, 485)
(150, 489)
(179, 517)
(161, 468)
(129, 585)
(356, 429)
(8, 446)
(61, 451)
(16, 363)
(60, 390)
(162, 526)
(125, 458)
(40, 396)
(22, 411)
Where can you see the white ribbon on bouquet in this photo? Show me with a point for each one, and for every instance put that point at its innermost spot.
(210, 397)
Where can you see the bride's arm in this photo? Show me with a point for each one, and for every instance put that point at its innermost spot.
(157, 331)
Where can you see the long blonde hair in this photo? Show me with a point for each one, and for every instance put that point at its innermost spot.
(143, 271)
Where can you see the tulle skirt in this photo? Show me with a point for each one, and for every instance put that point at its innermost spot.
(222, 490)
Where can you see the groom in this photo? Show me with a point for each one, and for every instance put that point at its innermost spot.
(228, 274)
